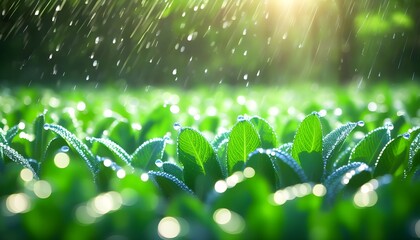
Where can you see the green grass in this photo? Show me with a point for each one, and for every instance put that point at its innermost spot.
(223, 163)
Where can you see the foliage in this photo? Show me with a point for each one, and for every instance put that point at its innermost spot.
(70, 175)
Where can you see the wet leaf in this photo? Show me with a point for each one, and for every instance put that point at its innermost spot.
(243, 140)
(307, 147)
(369, 148)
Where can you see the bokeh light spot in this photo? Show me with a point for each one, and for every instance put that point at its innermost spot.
(26, 175)
(61, 160)
(18, 203)
(169, 227)
(42, 189)
(319, 190)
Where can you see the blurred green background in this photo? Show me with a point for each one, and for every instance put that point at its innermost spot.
(191, 42)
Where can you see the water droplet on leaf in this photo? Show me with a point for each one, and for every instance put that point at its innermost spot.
(406, 135)
(177, 126)
(361, 123)
(158, 163)
(64, 149)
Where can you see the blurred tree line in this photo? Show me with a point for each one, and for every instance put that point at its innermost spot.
(200, 41)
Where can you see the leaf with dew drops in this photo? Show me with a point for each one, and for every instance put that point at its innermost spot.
(12, 132)
(266, 132)
(169, 184)
(307, 147)
(75, 143)
(243, 140)
(39, 143)
(113, 147)
(3, 137)
(221, 152)
(219, 138)
(147, 153)
(286, 147)
(393, 158)
(17, 157)
(288, 170)
(197, 156)
(173, 169)
(352, 175)
(414, 156)
(332, 143)
(368, 149)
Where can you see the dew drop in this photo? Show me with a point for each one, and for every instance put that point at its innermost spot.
(316, 113)
(361, 123)
(240, 118)
(389, 125)
(46, 127)
(177, 126)
(406, 135)
(158, 163)
(64, 149)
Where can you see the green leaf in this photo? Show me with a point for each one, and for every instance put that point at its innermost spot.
(352, 175)
(369, 148)
(414, 155)
(221, 152)
(169, 184)
(288, 170)
(173, 169)
(260, 161)
(307, 147)
(144, 157)
(198, 157)
(75, 143)
(3, 137)
(17, 157)
(243, 140)
(266, 132)
(221, 137)
(120, 131)
(38, 145)
(394, 157)
(332, 143)
(113, 147)
(286, 147)
(11, 133)
(277, 167)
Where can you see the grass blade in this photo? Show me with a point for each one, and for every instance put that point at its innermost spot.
(75, 143)
(243, 140)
